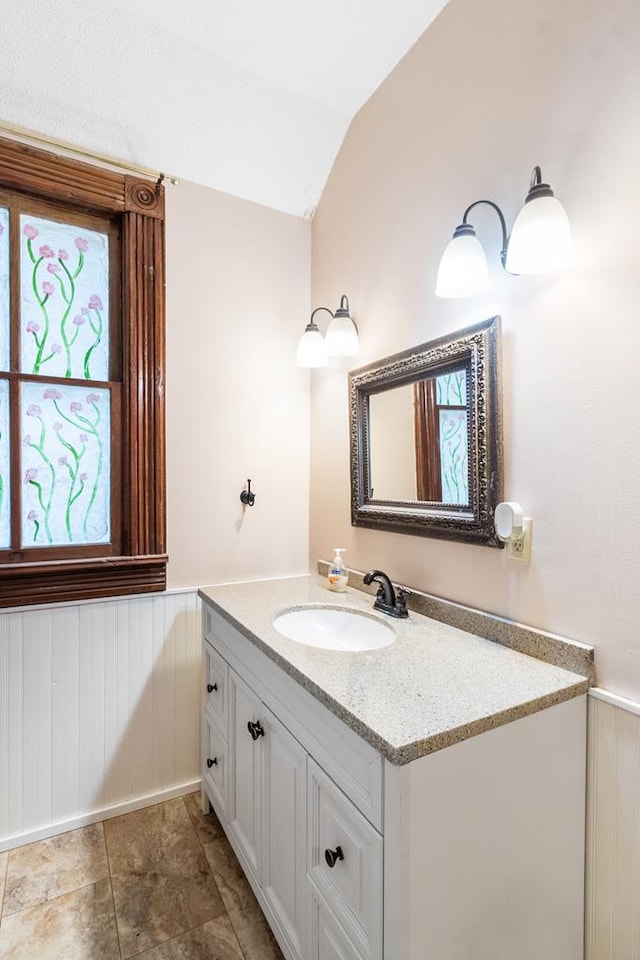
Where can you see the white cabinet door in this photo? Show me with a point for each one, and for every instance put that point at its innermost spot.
(284, 772)
(327, 939)
(245, 735)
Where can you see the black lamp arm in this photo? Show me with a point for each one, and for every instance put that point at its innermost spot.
(317, 309)
(503, 225)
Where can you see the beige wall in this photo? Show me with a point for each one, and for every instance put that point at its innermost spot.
(238, 280)
(490, 90)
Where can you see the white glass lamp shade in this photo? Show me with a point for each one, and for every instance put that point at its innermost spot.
(463, 270)
(541, 237)
(312, 349)
(342, 338)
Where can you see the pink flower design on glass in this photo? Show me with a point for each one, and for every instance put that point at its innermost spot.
(63, 255)
(55, 348)
(53, 268)
(83, 438)
(32, 515)
(63, 460)
(78, 320)
(84, 311)
(30, 475)
(33, 410)
(92, 398)
(1, 229)
(57, 426)
(32, 326)
(81, 244)
(47, 288)
(74, 406)
(46, 251)
(95, 303)
(83, 477)
(30, 231)
(26, 440)
(51, 394)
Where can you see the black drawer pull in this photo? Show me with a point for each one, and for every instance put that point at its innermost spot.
(211, 687)
(212, 762)
(332, 856)
(255, 729)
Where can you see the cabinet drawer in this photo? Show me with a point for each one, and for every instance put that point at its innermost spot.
(216, 678)
(215, 766)
(344, 862)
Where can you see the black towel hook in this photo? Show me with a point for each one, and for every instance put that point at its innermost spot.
(247, 497)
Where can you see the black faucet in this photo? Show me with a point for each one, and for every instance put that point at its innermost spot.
(386, 599)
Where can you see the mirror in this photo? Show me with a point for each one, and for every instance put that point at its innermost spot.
(426, 438)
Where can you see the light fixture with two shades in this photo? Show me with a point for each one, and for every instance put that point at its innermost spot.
(341, 340)
(540, 241)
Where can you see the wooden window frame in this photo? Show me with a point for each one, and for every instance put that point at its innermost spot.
(137, 206)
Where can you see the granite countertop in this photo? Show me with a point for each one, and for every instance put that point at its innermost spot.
(434, 686)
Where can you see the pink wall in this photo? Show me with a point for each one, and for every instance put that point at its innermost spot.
(490, 90)
(238, 280)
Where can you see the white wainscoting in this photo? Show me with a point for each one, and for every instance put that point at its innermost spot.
(99, 710)
(613, 829)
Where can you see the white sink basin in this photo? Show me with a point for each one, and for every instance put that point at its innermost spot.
(332, 628)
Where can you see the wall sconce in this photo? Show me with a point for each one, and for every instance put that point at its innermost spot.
(540, 241)
(341, 340)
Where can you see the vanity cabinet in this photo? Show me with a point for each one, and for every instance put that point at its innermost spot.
(474, 851)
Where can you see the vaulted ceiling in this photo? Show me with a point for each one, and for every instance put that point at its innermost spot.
(251, 97)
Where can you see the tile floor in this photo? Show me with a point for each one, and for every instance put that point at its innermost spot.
(159, 884)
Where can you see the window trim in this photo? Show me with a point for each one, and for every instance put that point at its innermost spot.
(138, 205)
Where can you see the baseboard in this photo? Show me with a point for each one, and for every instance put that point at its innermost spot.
(106, 813)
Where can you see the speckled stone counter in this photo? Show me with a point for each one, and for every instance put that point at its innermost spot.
(434, 686)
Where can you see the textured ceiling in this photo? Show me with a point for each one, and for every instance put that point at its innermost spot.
(252, 98)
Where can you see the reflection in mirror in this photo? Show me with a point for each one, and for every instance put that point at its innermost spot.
(426, 438)
(425, 424)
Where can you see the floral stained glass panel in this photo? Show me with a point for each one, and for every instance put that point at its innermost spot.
(5, 515)
(64, 300)
(454, 456)
(451, 389)
(4, 288)
(65, 465)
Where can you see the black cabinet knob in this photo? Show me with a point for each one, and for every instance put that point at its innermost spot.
(255, 729)
(211, 687)
(212, 762)
(332, 856)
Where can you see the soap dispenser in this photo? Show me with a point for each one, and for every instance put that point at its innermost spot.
(338, 576)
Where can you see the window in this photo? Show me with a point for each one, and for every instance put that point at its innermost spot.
(82, 505)
(441, 438)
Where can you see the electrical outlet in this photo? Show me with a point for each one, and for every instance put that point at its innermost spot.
(521, 549)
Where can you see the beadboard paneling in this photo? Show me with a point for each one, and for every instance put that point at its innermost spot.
(99, 709)
(613, 829)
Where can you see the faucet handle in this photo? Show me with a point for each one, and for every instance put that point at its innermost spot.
(401, 598)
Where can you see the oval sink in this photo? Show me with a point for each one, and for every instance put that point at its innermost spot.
(332, 628)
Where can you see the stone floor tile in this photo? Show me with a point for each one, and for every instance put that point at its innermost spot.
(4, 859)
(76, 926)
(49, 868)
(162, 885)
(251, 928)
(207, 827)
(215, 940)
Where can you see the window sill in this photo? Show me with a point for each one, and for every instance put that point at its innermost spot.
(64, 580)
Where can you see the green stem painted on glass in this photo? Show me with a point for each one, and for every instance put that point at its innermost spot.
(97, 329)
(94, 492)
(38, 486)
(43, 306)
(87, 424)
(36, 531)
(73, 474)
